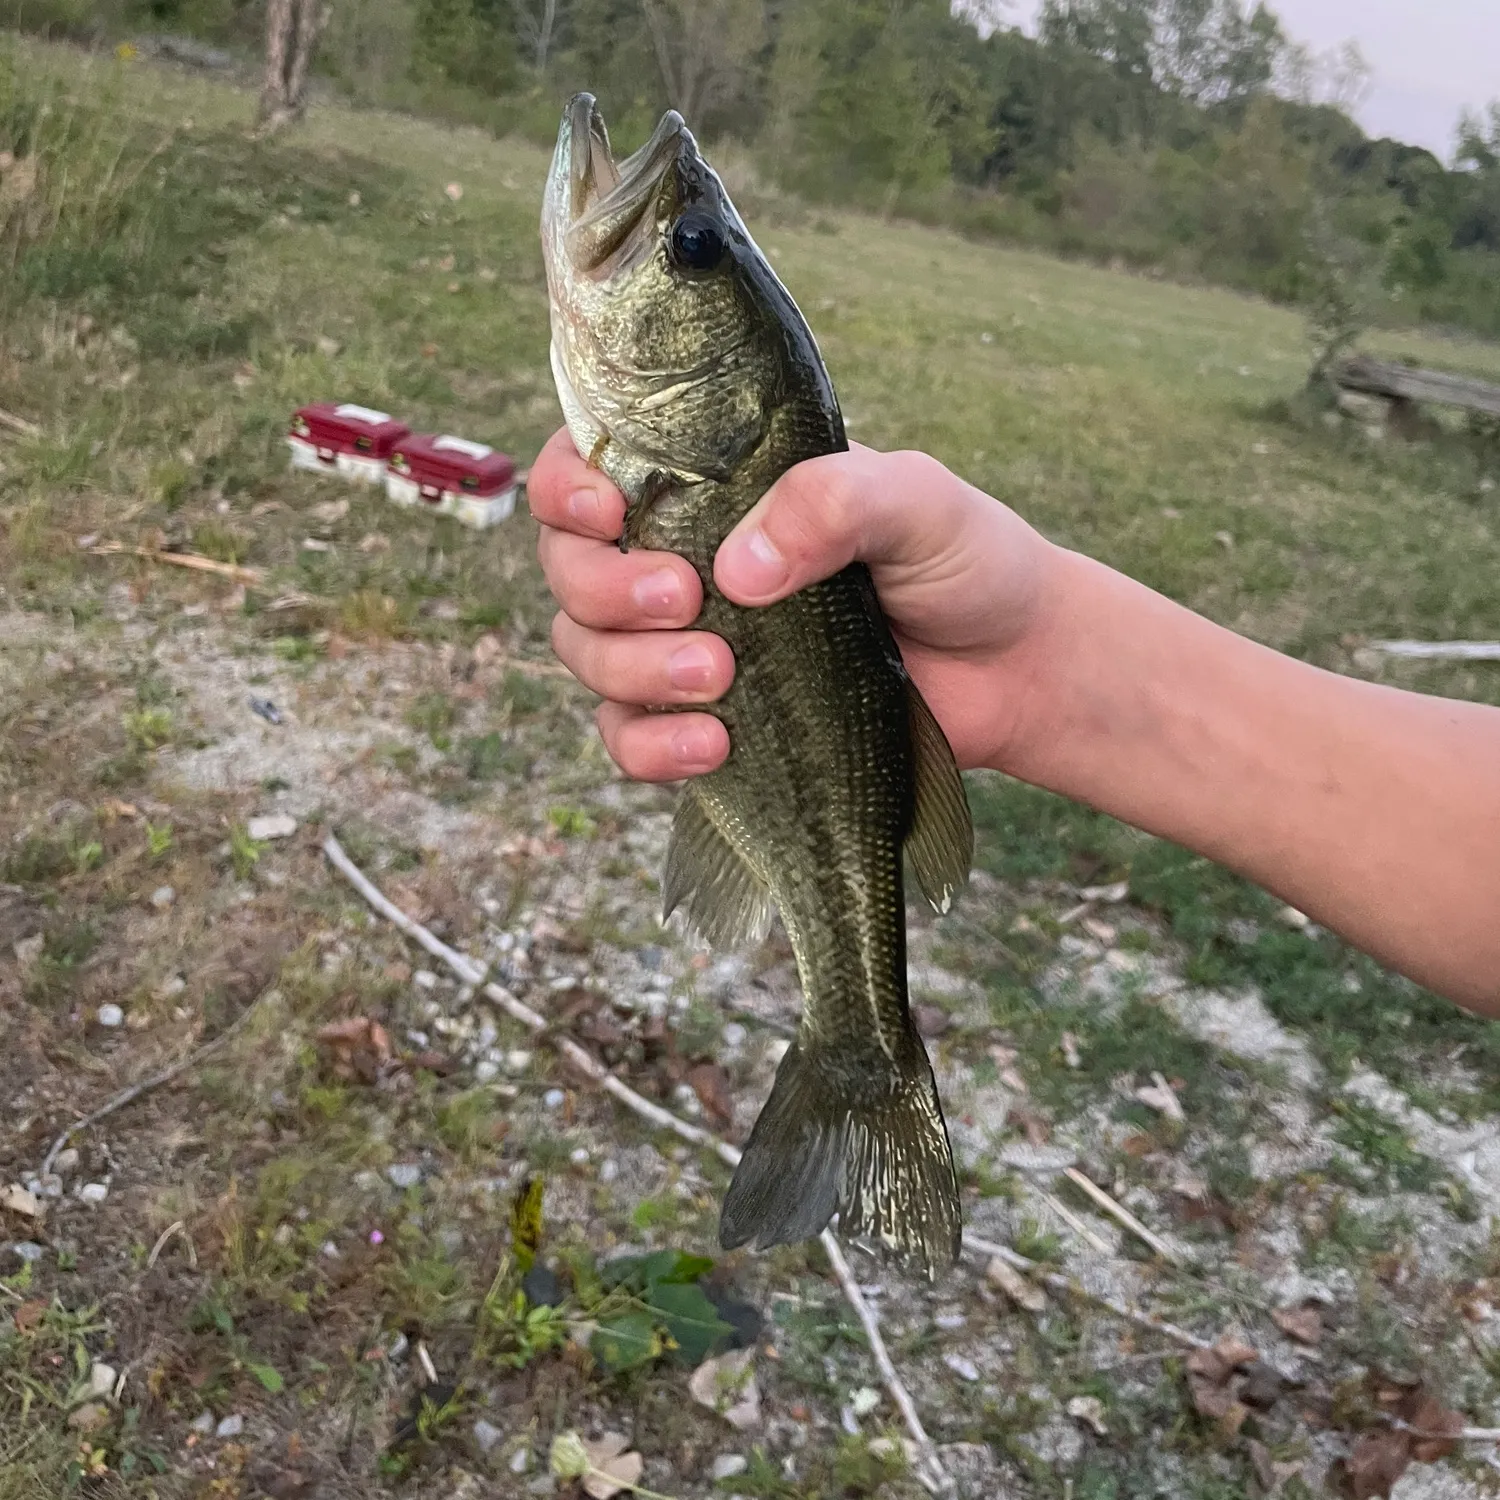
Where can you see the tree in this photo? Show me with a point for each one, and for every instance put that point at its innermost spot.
(704, 49)
(537, 25)
(292, 29)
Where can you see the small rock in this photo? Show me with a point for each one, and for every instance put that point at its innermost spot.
(728, 1466)
(579, 1157)
(93, 1192)
(29, 950)
(425, 979)
(395, 1351)
(485, 1071)
(520, 1460)
(517, 1061)
(111, 1016)
(553, 1098)
(28, 1251)
(67, 1161)
(90, 1417)
(162, 897)
(230, 1427)
(273, 826)
(102, 1379)
(487, 1435)
(965, 1369)
(734, 1036)
(863, 1401)
(950, 1322)
(202, 1424)
(327, 347)
(329, 1250)
(404, 1174)
(170, 988)
(726, 1384)
(609, 1169)
(1299, 921)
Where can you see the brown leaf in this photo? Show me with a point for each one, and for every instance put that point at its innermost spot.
(356, 1048)
(29, 1314)
(614, 1469)
(1210, 1399)
(1263, 1386)
(1379, 1459)
(1038, 1131)
(432, 1062)
(1304, 1323)
(1209, 1365)
(1262, 1463)
(1434, 1427)
(711, 1084)
(1235, 1352)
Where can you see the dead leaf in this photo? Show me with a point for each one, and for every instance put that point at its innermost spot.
(19, 1200)
(1304, 1323)
(29, 1314)
(330, 511)
(1235, 1352)
(711, 1084)
(357, 1048)
(1379, 1459)
(487, 648)
(1262, 1463)
(1022, 1292)
(1069, 1043)
(374, 541)
(726, 1384)
(614, 1468)
(90, 1417)
(1160, 1096)
(1037, 1130)
(1435, 1429)
(1090, 1411)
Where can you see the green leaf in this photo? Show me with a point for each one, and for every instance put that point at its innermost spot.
(662, 1267)
(690, 1318)
(625, 1342)
(526, 1223)
(268, 1377)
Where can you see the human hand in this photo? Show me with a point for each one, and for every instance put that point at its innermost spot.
(962, 579)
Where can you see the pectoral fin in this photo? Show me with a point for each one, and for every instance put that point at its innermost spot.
(721, 896)
(940, 843)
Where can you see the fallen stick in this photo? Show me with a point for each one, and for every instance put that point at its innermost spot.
(1066, 1287)
(145, 1086)
(1123, 1215)
(1074, 1223)
(936, 1479)
(19, 424)
(1441, 650)
(192, 560)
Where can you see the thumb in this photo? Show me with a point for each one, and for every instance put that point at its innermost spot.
(816, 519)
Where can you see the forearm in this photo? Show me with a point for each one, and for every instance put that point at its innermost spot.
(1375, 811)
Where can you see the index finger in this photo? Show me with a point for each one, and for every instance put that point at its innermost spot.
(565, 493)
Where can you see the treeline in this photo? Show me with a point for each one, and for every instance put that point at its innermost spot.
(1193, 136)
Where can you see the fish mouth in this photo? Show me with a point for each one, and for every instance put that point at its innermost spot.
(596, 205)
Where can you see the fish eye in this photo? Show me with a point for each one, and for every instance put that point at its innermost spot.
(696, 242)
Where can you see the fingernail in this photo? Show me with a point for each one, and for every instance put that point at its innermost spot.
(757, 566)
(691, 668)
(692, 746)
(658, 593)
(583, 507)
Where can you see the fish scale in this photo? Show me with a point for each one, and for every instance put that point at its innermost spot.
(686, 370)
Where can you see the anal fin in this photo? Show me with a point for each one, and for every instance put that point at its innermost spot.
(723, 899)
(940, 843)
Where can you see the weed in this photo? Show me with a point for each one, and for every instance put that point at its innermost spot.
(148, 728)
(572, 822)
(433, 714)
(1384, 1146)
(244, 851)
(158, 839)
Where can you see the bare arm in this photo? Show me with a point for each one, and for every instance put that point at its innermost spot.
(1375, 811)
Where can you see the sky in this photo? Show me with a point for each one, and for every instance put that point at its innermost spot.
(1429, 58)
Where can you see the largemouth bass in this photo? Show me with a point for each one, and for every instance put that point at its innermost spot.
(687, 373)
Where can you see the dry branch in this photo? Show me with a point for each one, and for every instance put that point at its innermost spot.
(19, 424)
(146, 1085)
(1123, 1215)
(934, 1477)
(1440, 650)
(193, 560)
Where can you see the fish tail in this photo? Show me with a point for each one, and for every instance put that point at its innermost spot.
(824, 1145)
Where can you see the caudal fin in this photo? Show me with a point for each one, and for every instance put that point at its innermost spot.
(820, 1147)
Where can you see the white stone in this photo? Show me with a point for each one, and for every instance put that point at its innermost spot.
(67, 1161)
(609, 1169)
(404, 1174)
(520, 1460)
(863, 1401)
(93, 1192)
(231, 1427)
(28, 1251)
(102, 1379)
(729, 1465)
(553, 1098)
(272, 826)
(111, 1016)
(425, 979)
(485, 1071)
(965, 1369)
(202, 1424)
(580, 1157)
(518, 1061)
(734, 1034)
(487, 1435)
(162, 897)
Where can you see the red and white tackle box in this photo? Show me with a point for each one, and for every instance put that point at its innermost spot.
(339, 437)
(472, 483)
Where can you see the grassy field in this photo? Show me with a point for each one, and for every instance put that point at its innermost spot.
(169, 300)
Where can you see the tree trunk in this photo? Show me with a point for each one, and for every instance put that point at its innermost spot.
(292, 28)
